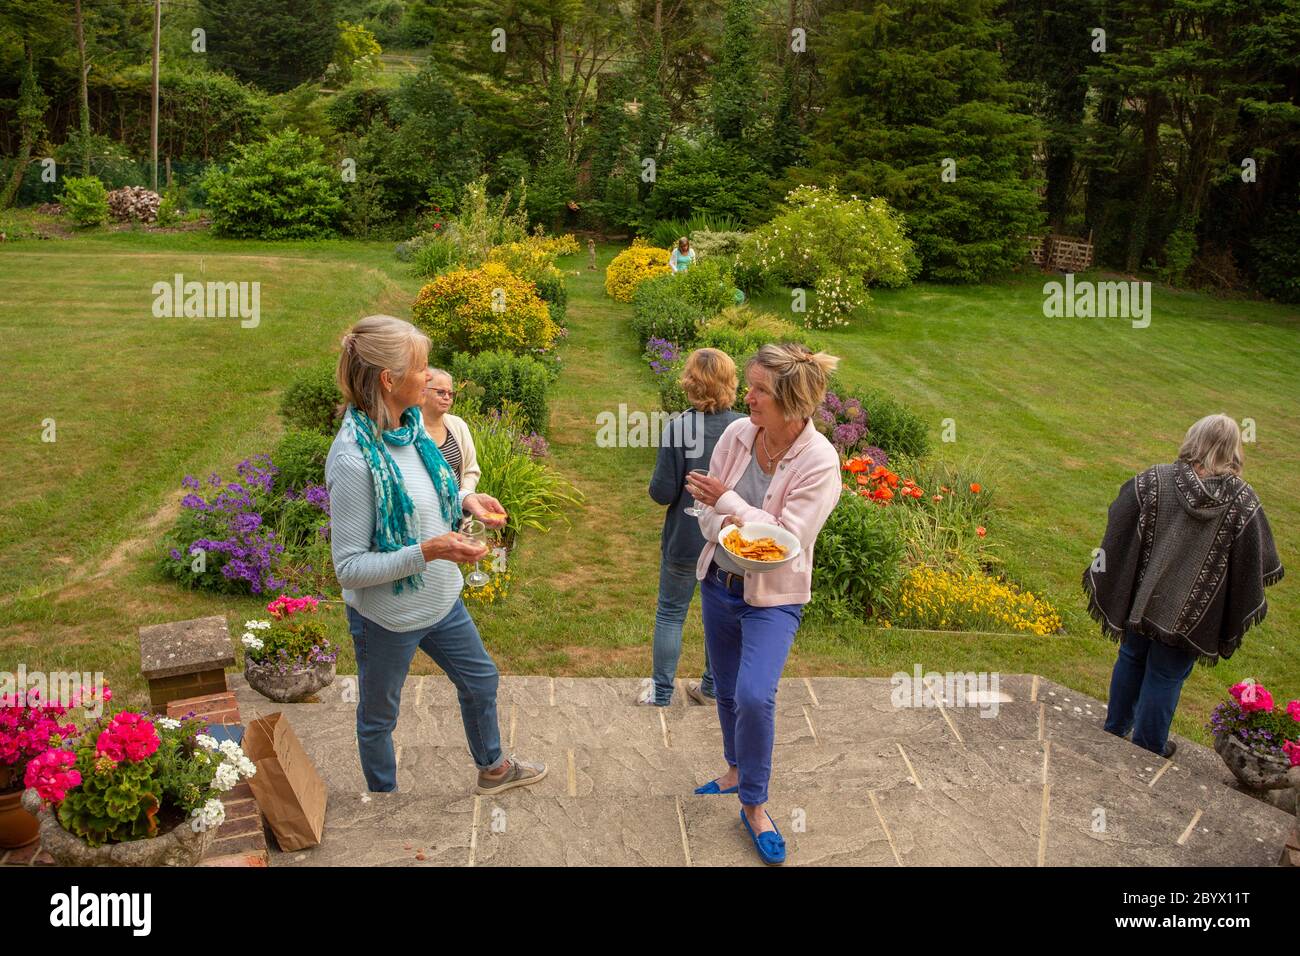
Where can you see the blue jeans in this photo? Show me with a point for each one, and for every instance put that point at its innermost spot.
(383, 661)
(1144, 689)
(748, 646)
(676, 588)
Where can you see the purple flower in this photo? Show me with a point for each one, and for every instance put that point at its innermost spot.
(189, 481)
(195, 502)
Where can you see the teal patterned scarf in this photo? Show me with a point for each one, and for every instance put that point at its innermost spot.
(394, 510)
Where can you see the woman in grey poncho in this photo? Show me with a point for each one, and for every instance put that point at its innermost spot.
(1180, 576)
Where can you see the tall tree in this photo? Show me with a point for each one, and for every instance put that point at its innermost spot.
(734, 96)
(276, 44)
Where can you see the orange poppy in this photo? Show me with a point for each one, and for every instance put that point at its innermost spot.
(975, 488)
(980, 531)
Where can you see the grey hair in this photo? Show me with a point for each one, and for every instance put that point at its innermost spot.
(376, 343)
(1214, 443)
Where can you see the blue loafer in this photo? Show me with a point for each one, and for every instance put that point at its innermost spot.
(712, 787)
(770, 845)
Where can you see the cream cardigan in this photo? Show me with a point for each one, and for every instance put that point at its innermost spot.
(469, 469)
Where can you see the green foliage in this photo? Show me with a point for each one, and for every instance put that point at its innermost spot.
(113, 804)
(911, 85)
(357, 106)
(275, 44)
(835, 245)
(533, 495)
(666, 232)
(475, 310)
(716, 179)
(280, 188)
(721, 243)
(311, 402)
(894, 427)
(1278, 249)
(85, 200)
(661, 310)
(740, 331)
(503, 377)
(943, 534)
(296, 639)
(1180, 248)
(857, 561)
(735, 78)
(300, 455)
(356, 54)
(468, 238)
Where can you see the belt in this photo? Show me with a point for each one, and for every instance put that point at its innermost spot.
(735, 583)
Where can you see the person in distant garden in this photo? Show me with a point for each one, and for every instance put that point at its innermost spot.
(394, 508)
(682, 257)
(1180, 576)
(449, 432)
(709, 381)
(772, 467)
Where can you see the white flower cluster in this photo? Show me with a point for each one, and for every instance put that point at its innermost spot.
(257, 625)
(252, 641)
(211, 814)
(234, 767)
(207, 742)
(168, 723)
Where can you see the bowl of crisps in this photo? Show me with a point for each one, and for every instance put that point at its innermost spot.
(759, 547)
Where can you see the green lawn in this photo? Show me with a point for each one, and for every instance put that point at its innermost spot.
(1057, 413)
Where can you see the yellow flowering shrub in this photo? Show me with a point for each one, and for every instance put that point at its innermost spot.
(533, 257)
(474, 310)
(947, 601)
(634, 264)
(496, 589)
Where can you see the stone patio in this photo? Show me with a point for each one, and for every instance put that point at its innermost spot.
(856, 781)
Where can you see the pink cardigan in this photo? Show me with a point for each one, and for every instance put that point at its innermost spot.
(804, 491)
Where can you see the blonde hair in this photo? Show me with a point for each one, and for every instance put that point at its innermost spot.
(709, 380)
(1214, 443)
(799, 378)
(376, 343)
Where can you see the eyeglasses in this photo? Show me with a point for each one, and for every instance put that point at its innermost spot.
(443, 392)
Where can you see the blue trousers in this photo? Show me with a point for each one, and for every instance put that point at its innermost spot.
(748, 647)
(1144, 689)
(383, 661)
(676, 588)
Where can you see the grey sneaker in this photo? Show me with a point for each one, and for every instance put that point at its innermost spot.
(521, 774)
(694, 693)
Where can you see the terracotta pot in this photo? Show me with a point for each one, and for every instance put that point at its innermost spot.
(1255, 771)
(17, 826)
(296, 685)
(180, 846)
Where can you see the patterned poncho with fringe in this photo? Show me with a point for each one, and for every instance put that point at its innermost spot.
(1184, 561)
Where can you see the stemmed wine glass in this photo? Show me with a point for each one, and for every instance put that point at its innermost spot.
(693, 509)
(476, 531)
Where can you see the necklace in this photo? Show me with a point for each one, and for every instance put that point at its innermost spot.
(771, 458)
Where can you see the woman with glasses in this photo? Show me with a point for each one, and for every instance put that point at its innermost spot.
(449, 432)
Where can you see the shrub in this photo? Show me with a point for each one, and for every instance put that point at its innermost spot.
(722, 243)
(660, 309)
(740, 331)
(834, 245)
(666, 232)
(555, 294)
(856, 562)
(474, 310)
(430, 254)
(533, 258)
(300, 456)
(708, 284)
(533, 495)
(503, 378)
(312, 402)
(1277, 255)
(85, 200)
(280, 188)
(894, 427)
(631, 266)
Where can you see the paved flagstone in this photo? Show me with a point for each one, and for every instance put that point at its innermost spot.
(856, 781)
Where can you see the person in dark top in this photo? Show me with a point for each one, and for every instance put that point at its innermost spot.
(709, 380)
(1179, 577)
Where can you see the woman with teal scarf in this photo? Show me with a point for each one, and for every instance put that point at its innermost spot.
(395, 508)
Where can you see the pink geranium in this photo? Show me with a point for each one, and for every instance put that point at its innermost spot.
(284, 606)
(129, 736)
(52, 775)
(1293, 709)
(1255, 697)
(1292, 750)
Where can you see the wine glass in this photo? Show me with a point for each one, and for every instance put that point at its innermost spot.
(476, 531)
(693, 509)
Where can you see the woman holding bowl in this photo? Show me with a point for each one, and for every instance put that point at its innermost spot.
(395, 506)
(774, 468)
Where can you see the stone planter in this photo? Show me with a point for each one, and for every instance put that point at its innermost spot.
(297, 684)
(1254, 771)
(180, 846)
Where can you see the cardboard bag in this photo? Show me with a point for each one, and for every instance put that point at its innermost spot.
(287, 787)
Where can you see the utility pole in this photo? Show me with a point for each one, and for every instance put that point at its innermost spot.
(153, 131)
